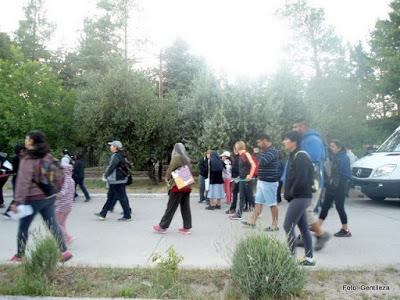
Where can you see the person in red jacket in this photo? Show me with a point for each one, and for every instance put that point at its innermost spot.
(177, 197)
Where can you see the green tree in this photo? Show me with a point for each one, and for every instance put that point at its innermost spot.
(181, 68)
(5, 46)
(313, 40)
(118, 104)
(32, 97)
(34, 31)
(385, 50)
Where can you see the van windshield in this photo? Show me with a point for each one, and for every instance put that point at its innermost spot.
(392, 144)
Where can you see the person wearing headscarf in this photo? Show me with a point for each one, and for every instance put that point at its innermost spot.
(216, 192)
(177, 197)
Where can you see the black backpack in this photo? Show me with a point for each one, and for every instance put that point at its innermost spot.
(126, 168)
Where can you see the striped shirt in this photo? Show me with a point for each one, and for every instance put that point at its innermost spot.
(268, 168)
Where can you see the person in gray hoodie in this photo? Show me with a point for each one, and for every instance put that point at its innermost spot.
(116, 179)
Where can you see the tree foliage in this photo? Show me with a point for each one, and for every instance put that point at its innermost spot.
(34, 31)
(86, 97)
(32, 97)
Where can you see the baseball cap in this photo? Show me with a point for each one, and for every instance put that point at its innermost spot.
(226, 153)
(117, 144)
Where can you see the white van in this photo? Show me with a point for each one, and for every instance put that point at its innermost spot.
(377, 175)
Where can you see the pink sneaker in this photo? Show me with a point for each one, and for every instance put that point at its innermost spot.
(184, 231)
(16, 259)
(66, 256)
(235, 217)
(158, 229)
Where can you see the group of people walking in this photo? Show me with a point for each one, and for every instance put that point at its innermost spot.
(221, 177)
(309, 187)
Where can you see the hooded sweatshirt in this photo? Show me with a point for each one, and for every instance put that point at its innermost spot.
(313, 145)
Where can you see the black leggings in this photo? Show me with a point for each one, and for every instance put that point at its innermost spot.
(175, 200)
(338, 195)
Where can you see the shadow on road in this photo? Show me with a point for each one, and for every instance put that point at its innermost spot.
(387, 203)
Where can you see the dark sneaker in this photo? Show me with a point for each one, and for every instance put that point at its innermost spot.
(123, 219)
(299, 241)
(230, 211)
(321, 241)
(101, 218)
(307, 261)
(248, 225)
(343, 233)
(6, 215)
(88, 199)
(271, 229)
(201, 201)
(209, 207)
(217, 206)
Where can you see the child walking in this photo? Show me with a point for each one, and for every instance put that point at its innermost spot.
(64, 201)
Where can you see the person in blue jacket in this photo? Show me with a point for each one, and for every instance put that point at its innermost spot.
(337, 187)
(313, 145)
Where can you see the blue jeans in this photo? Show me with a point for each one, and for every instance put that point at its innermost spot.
(46, 208)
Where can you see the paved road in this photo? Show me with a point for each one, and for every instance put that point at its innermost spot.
(375, 227)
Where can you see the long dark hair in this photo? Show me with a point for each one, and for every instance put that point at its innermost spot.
(339, 145)
(40, 147)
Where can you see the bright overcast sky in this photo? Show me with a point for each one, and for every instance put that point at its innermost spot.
(236, 37)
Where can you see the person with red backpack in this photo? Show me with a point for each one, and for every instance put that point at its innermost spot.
(37, 188)
(247, 168)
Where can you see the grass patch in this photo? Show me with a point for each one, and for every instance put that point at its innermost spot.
(390, 270)
(199, 284)
(322, 275)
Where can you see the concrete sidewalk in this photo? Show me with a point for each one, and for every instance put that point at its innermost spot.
(374, 227)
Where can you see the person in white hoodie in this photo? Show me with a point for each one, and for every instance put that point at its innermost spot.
(227, 175)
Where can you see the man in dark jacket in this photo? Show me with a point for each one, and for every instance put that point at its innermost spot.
(203, 175)
(79, 176)
(298, 191)
(116, 179)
